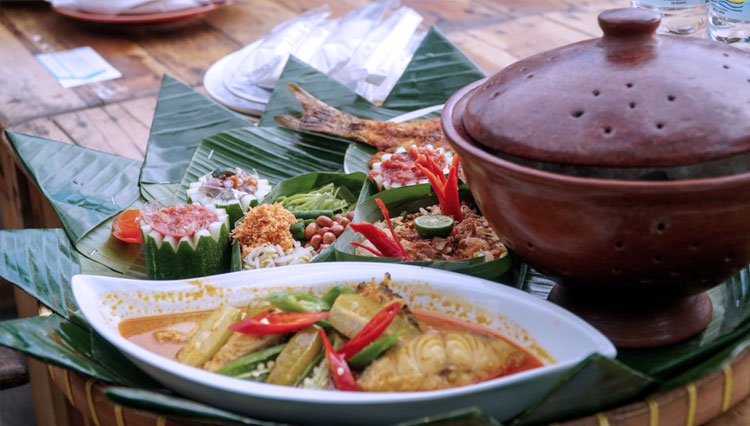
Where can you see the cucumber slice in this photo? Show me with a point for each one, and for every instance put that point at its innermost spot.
(207, 252)
(434, 225)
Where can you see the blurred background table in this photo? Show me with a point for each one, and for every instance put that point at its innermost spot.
(115, 116)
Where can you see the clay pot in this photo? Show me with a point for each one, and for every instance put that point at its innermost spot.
(633, 257)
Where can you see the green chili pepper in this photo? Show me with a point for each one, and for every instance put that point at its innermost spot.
(245, 365)
(372, 351)
(297, 302)
(335, 292)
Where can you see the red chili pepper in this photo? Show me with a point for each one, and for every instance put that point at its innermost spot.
(446, 189)
(371, 331)
(127, 226)
(277, 323)
(340, 372)
(384, 246)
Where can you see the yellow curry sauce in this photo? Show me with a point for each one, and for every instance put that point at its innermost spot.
(142, 331)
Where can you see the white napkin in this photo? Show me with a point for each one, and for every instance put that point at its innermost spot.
(128, 7)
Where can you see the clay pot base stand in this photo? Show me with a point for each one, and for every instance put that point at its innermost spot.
(639, 325)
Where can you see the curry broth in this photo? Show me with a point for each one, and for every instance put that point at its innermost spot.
(141, 332)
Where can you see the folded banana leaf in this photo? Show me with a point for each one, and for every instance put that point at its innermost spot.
(275, 153)
(40, 262)
(100, 246)
(84, 186)
(596, 384)
(437, 69)
(408, 200)
(177, 407)
(182, 118)
(70, 345)
(357, 158)
(471, 416)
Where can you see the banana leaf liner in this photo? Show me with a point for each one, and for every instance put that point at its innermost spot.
(351, 185)
(408, 200)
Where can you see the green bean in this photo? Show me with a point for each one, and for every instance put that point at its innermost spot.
(335, 292)
(372, 351)
(249, 362)
(297, 302)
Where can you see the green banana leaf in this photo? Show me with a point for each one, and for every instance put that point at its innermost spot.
(161, 191)
(40, 262)
(57, 341)
(471, 416)
(596, 384)
(177, 407)
(100, 246)
(321, 86)
(84, 186)
(183, 117)
(407, 200)
(714, 363)
(275, 153)
(357, 158)
(436, 71)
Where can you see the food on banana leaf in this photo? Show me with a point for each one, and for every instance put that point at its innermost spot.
(233, 190)
(322, 215)
(184, 241)
(398, 144)
(327, 197)
(352, 338)
(266, 240)
(319, 117)
(399, 168)
(451, 230)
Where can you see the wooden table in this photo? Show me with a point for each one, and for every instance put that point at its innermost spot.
(115, 116)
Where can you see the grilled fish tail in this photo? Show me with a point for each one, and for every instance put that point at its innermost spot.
(319, 117)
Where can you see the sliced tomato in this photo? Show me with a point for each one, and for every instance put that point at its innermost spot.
(340, 372)
(277, 323)
(371, 331)
(127, 226)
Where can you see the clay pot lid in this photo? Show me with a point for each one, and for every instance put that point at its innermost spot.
(629, 99)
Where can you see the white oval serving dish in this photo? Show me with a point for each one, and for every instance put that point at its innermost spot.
(557, 337)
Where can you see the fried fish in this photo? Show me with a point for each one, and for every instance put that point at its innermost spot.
(320, 117)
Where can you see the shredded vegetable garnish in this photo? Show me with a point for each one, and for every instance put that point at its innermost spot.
(268, 256)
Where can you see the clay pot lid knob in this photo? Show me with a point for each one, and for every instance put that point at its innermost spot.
(629, 22)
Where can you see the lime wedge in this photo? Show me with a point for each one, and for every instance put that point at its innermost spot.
(434, 225)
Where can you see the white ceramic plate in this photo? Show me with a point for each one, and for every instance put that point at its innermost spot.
(559, 338)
